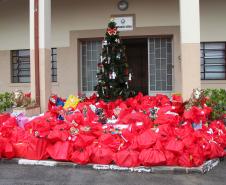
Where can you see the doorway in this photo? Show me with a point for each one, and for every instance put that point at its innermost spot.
(137, 58)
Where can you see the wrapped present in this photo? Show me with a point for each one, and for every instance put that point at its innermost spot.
(71, 102)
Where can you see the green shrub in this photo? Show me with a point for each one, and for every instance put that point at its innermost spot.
(6, 101)
(216, 100)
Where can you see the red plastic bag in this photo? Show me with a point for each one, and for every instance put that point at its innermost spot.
(101, 154)
(4, 117)
(36, 149)
(127, 158)
(60, 150)
(146, 139)
(152, 157)
(171, 158)
(175, 145)
(20, 149)
(80, 156)
(8, 150)
(185, 159)
(171, 119)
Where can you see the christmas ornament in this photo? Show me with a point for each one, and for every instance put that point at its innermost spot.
(130, 76)
(113, 75)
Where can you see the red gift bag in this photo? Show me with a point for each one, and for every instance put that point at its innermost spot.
(127, 158)
(60, 150)
(80, 156)
(101, 154)
(171, 158)
(175, 145)
(152, 157)
(146, 139)
(8, 150)
(20, 149)
(185, 159)
(4, 117)
(36, 149)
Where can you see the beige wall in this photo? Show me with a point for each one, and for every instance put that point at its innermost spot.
(213, 20)
(213, 84)
(5, 74)
(83, 17)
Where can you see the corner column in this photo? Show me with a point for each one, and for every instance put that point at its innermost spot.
(190, 46)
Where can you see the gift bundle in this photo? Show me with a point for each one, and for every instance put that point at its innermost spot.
(143, 130)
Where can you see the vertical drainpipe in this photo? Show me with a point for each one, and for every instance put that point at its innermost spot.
(36, 51)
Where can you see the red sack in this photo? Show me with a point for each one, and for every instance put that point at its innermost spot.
(8, 150)
(127, 158)
(39, 127)
(36, 149)
(101, 154)
(185, 159)
(60, 150)
(80, 156)
(175, 145)
(171, 158)
(196, 154)
(111, 141)
(4, 117)
(171, 119)
(20, 149)
(164, 132)
(82, 140)
(213, 150)
(152, 157)
(146, 139)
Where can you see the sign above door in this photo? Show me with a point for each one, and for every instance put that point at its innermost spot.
(125, 22)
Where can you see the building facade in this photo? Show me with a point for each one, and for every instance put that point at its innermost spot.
(173, 45)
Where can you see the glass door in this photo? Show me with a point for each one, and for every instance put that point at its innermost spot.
(160, 65)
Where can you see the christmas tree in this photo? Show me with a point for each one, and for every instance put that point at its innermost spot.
(113, 74)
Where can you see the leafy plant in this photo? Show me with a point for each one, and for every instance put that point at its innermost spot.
(6, 101)
(216, 100)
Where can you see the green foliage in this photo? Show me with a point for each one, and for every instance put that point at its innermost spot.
(216, 100)
(113, 74)
(6, 101)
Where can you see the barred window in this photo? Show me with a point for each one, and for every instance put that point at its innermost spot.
(54, 64)
(213, 63)
(20, 66)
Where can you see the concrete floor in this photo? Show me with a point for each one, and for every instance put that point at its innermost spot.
(12, 174)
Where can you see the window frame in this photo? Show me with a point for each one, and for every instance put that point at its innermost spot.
(12, 66)
(53, 68)
(81, 40)
(204, 62)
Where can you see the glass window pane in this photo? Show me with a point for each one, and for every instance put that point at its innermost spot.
(20, 66)
(91, 51)
(215, 46)
(213, 61)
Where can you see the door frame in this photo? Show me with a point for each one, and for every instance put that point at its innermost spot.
(168, 93)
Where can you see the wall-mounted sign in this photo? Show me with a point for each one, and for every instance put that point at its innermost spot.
(124, 23)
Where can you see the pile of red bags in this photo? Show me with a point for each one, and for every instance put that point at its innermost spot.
(144, 130)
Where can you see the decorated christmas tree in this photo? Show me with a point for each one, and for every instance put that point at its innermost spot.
(113, 74)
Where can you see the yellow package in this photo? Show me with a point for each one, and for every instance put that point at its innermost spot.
(71, 102)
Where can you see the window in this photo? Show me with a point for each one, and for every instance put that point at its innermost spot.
(20, 66)
(90, 52)
(213, 63)
(54, 64)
